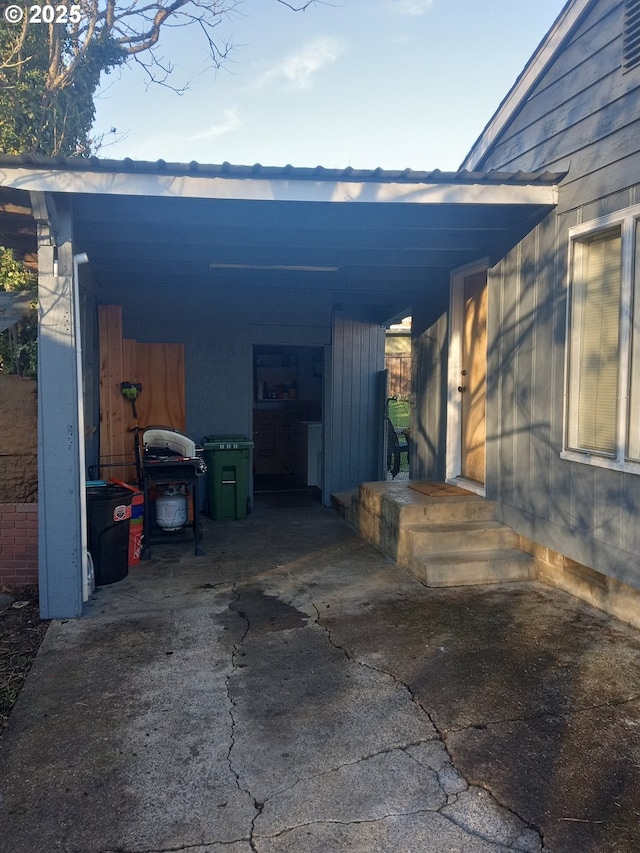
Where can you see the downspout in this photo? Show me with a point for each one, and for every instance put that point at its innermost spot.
(78, 259)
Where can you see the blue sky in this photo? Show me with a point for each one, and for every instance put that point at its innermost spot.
(362, 83)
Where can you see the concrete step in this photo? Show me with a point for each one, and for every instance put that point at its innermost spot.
(346, 504)
(470, 535)
(468, 568)
(443, 539)
(406, 506)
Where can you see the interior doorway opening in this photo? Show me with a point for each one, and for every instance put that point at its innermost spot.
(287, 423)
(397, 362)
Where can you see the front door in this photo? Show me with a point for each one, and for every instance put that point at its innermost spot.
(473, 376)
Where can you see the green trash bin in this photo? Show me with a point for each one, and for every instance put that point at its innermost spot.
(227, 458)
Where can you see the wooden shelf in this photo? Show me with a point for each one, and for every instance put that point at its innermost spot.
(275, 376)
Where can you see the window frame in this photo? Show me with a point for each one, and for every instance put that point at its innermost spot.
(628, 223)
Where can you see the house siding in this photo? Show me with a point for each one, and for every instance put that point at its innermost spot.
(356, 416)
(584, 116)
(430, 343)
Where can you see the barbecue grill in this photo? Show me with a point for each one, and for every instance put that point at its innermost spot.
(170, 462)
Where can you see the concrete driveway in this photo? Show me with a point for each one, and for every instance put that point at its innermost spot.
(295, 691)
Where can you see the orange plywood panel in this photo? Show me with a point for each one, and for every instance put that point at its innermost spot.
(112, 405)
(161, 372)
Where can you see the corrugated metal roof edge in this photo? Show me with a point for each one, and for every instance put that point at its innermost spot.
(257, 171)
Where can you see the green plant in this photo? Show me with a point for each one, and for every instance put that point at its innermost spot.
(8, 696)
(19, 343)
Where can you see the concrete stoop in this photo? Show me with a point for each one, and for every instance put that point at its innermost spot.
(448, 538)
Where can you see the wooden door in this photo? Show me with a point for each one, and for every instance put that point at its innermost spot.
(473, 379)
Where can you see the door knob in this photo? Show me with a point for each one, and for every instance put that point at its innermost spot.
(462, 388)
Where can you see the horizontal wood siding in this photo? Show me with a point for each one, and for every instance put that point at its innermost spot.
(585, 77)
(358, 356)
(583, 115)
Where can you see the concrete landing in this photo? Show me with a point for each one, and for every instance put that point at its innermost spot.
(294, 691)
(442, 534)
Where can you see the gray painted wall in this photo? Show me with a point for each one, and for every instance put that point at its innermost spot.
(430, 330)
(587, 513)
(584, 115)
(219, 331)
(356, 421)
(221, 328)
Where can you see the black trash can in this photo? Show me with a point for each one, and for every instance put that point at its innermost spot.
(108, 514)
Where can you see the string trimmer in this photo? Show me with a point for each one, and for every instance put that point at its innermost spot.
(131, 391)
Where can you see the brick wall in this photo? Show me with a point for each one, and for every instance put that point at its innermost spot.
(18, 544)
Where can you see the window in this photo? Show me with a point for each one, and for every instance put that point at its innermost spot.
(595, 343)
(603, 349)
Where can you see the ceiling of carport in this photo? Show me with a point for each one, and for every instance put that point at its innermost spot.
(366, 249)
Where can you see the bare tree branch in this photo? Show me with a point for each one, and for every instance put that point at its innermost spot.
(64, 62)
(297, 8)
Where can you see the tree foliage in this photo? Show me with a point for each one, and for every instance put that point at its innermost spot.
(49, 72)
(41, 111)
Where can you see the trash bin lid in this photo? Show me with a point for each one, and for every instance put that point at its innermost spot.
(228, 442)
(108, 492)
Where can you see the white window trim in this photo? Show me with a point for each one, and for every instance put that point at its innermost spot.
(626, 220)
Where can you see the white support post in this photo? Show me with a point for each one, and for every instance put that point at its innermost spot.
(59, 476)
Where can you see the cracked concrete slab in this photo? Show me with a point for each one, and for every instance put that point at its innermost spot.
(413, 833)
(534, 695)
(361, 791)
(301, 707)
(296, 691)
(224, 847)
(477, 812)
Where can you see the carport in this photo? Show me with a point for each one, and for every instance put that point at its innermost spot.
(227, 261)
